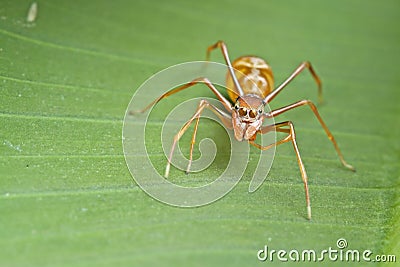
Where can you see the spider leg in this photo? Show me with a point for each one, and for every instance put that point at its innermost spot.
(279, 111)
(297, 71)
(221, 98)
(291, 137)
(224, 117)
(224, 50)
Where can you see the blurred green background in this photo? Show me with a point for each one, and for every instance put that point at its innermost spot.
(66, 196)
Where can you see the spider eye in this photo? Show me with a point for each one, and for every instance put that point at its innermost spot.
(242, 111)
(252, 113)
(236, 106)
(260, 111)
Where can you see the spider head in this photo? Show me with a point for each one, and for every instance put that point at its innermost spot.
(249, 108)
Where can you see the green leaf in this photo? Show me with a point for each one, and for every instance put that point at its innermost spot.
(66, 195)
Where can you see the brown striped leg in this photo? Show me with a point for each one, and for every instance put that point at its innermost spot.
(297, 71)
(291, 137)
(224, 117)
(279, 111)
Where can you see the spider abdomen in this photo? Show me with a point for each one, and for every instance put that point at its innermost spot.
(254, 76)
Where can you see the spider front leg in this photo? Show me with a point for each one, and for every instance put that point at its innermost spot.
(277, 112)
(224, 50)
(291, 137)
(303, 66)
(224, 117)
(221, 98)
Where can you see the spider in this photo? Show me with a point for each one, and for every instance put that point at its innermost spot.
(252, 88)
